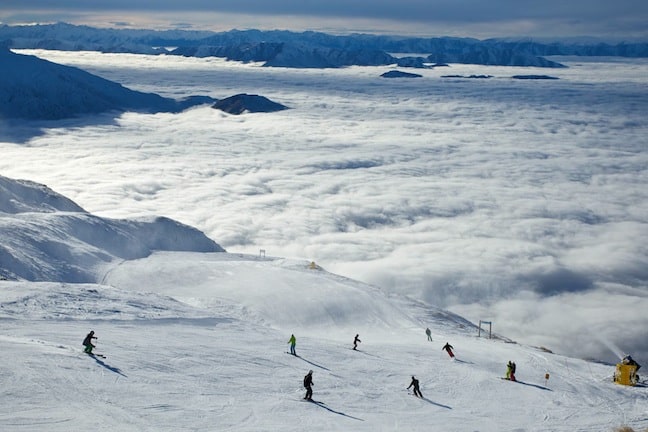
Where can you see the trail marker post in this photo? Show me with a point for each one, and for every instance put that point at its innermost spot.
(490, 328)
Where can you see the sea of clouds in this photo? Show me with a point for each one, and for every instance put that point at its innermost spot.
(523, 202)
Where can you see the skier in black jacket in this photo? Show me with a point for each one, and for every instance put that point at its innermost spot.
(415, 384)
(356, 341)
(87, 342)
(448, 349)
(308, 384)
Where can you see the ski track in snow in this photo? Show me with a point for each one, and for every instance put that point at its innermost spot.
(173, 366)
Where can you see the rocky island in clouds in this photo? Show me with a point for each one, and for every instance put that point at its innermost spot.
(36, 89)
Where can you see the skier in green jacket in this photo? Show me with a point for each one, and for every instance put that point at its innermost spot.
(292, 341)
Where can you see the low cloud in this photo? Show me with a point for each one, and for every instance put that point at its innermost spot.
(599, 324)
(520, 202)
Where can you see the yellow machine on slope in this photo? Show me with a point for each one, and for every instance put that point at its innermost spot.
(626, 372)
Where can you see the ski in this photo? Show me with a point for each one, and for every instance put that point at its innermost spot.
(96, 355)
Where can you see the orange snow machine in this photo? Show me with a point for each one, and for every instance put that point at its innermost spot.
(626, 374)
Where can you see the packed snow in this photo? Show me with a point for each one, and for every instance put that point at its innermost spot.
(213, 356)
(198, 341)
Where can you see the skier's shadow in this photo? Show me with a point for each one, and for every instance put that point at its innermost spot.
(110, 368)
(314, 364)
(463, 361)
(365, 353)
(534, 385)
(436, 403)
(321, 405)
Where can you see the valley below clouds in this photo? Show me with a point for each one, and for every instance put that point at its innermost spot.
(522, 202)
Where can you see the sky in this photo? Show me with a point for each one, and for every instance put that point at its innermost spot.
(624, 19)
(522, 202)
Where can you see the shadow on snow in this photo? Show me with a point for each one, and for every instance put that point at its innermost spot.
(534, 385)
(436, 403)
(322, 405)
(107, 366)
(310, 362)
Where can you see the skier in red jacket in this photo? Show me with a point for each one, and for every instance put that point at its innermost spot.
(449, 349)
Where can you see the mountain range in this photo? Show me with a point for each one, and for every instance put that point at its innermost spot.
(311, 49)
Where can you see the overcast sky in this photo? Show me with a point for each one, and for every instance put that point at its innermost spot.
(474, 18)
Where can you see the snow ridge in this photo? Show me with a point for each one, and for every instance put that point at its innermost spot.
(47, 237)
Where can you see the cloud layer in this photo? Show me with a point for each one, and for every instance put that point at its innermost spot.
(523, 202)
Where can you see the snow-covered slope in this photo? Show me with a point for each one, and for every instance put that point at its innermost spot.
(197, 340)
(213, 358)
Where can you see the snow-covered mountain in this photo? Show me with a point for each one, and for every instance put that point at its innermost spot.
(196, 340)
(311, 49)
(33, 88)
(47, 237)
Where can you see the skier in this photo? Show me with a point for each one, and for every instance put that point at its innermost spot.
(449, 349)
(308, 384)
(356, 341)
(428, 332)
(510, 371)
(415, 384)
(292, 341)
(87, 342)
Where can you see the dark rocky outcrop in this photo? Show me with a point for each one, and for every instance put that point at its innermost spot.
(468, 76)
(241, 103)
(534, 77)
(400, 74)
